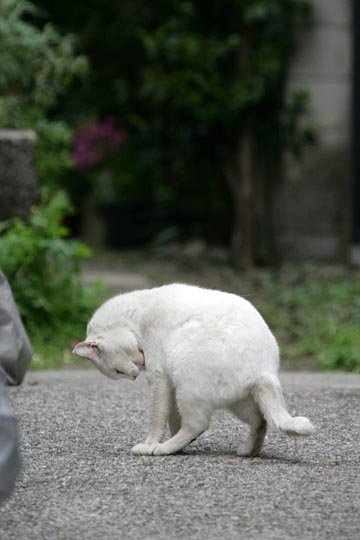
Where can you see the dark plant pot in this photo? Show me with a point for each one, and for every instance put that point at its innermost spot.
(127, 224)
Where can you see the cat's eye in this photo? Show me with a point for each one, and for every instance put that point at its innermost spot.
(119, 372)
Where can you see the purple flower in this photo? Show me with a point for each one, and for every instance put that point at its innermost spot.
(95, 141)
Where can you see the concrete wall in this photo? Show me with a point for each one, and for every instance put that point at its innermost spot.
(312, 205)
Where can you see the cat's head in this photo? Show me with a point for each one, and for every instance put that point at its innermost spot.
(116, 355)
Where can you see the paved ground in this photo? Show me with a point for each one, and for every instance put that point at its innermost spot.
(80, 482)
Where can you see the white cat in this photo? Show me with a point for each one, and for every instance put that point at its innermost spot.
(201, 350)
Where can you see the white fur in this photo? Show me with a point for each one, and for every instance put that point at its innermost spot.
(203, 350)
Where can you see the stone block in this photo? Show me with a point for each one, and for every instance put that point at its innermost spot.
(323, 53)
(329, 105)
(311, 207)
(18, 178)
(335, 12)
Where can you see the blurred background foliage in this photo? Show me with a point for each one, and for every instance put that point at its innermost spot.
(154, 113)
(187, 81)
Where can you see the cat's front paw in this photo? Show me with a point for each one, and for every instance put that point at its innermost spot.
(244, 452)
(247, 451)
(161, 450)
(143, 449)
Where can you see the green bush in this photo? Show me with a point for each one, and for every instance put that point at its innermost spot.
(43, 268)
(314, 315)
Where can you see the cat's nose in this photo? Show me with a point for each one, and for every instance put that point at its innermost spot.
(134, 372)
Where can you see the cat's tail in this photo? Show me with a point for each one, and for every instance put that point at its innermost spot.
(268, 396)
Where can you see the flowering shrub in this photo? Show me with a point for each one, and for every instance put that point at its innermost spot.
(95, 141)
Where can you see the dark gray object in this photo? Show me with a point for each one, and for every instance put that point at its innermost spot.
(18, 178)
(15, 355)
(15, 349)
(9, 452)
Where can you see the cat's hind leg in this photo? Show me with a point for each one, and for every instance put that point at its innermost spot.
(247, 411)
(174, 419)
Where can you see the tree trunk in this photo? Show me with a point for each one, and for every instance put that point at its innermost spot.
(240, 176)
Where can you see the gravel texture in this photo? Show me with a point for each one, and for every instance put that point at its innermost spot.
(79, 480)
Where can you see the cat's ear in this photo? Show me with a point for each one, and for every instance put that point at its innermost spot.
(87, 349)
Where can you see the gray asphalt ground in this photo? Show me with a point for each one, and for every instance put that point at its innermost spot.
(79, 480)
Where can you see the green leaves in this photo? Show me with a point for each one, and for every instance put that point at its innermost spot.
(42, 265)
(37, 65)
(314, 315)
(182, 70)
(219, 66)
(261, 11)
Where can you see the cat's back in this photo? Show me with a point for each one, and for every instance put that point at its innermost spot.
(182, 306)
(214, 323)
(191, 295)
(178, 300)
